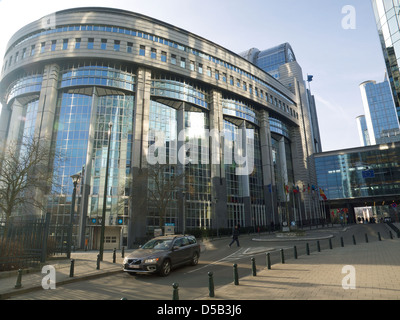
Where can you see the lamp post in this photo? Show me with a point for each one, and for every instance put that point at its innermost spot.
(75, 180)
(103, 216)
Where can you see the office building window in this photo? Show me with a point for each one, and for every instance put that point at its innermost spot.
(103, 45)
(183, 63)
(65, 44)
(129, 47)
(42, 47)
(163, 56)
(77, 43)
(117, 45)
(142, 51)
(90, 44)
(153, 53)
(173, 59)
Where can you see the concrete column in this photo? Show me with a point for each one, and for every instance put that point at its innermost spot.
(47, 103)
(17, 112)
(269, 181)
(219, 213)
(244, 179)
(181, 160)
(138, 207)
(6, 112)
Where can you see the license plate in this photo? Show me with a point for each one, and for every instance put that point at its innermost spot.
(134, 266)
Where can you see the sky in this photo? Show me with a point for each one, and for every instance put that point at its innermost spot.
(340, 48)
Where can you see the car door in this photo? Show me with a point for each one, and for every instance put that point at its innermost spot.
(179, 251)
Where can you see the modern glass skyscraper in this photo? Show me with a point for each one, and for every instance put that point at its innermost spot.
(380, 113)
(387, 21)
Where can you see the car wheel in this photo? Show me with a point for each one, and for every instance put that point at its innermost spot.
(165, 268)
(195, 259)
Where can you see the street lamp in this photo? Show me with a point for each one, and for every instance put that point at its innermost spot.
(75, 180)
(103, 216)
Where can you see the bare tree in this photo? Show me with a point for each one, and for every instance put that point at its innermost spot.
(164, 183)
(25, 175)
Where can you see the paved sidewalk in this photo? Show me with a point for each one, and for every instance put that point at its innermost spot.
(317, 276)
(85, 267)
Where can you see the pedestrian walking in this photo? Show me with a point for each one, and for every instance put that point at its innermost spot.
(235, 236)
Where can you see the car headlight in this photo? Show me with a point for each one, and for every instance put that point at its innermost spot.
(125, 260)
(152, 260)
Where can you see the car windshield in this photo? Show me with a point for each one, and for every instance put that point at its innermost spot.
(158, 244)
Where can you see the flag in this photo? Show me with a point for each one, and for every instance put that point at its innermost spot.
(296, 189)
(310, 78)
(322, 194)
(270, 188)
(308, 188)
(286, 189)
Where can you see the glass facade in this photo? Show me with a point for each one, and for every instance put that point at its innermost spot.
(360, 173)
(380, 113)
(143, 82)
(387, 21)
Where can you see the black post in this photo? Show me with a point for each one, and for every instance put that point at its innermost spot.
(268, 261)
(19, 280)
(71, 269)
(123, 252)
(366, 238)
(114, 255)
(71, 222)
(307, 249)
(235, 275)
(318, 246)
(295, 252)
(354, 240)
(341, 241)
(175, 292)
(379, 236)
(282, 256)
(330, 243)
(98, 262)
(253, 267)
(210, 284)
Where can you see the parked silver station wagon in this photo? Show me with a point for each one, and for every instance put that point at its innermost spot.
(162, 254)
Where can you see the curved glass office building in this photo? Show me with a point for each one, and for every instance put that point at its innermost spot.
(166, 92)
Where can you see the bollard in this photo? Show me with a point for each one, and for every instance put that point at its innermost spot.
(341, 241)
(391, 235)
(366, 238)
(114, 255)
(98, 262)
(295, 252)
(354, 240)
(253, 267)
(71, 269)
(124, 298)
(268, 261)
(175, 292)
(282, 256)
(123, 252)
(307, 249)
(330, 244)
(19, 280)
(318, 246)
(210, 284)
(235, 275)
(379, 236)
